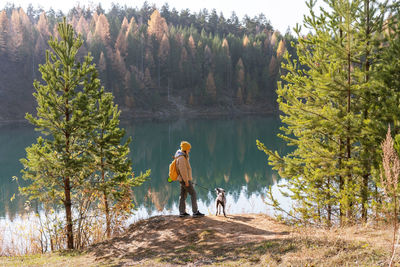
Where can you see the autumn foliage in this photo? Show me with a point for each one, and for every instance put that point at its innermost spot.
(145, 55)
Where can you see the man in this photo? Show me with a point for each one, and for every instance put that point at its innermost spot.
(185, 179)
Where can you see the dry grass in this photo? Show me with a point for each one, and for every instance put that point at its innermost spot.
(63, 259)
(239, 240)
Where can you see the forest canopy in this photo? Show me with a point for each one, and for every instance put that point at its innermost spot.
(149, 57)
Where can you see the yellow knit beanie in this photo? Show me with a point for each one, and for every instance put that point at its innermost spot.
(185, 146)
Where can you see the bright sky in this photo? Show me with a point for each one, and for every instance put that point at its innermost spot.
(281, 13)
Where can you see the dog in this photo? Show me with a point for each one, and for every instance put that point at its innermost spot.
(220, 201)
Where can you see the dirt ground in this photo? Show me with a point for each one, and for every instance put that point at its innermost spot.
(241, 240)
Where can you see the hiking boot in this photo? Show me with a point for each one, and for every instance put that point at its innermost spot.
(198, 214)
(184, 214)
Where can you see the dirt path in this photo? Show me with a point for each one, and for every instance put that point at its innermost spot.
(250, 239)
(172, 238)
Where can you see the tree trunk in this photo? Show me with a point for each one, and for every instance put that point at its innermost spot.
(105, 199)
(348, 144)
(364, 195)
(107, 211)
(329, 204)
(341, 182)
(67, 185)
(366, 165)
(68, 213)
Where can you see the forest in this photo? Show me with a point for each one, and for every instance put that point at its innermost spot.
(335, 88)
(153, 61)
(340, 105)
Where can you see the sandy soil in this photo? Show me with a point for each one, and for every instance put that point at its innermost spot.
(240, 240)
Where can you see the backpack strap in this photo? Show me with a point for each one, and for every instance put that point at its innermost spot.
(175, 158)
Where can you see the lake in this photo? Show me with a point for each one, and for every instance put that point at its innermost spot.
(223, 154)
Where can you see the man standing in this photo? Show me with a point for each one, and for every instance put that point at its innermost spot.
(185, 179)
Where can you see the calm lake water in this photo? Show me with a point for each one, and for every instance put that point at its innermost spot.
(224, 154)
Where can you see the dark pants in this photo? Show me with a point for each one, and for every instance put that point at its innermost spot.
(184, 191)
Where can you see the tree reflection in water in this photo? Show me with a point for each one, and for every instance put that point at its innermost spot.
(224, 154)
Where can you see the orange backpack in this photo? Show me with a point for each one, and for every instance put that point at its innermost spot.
(173, 171)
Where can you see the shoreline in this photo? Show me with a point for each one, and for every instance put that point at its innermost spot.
(158, 115)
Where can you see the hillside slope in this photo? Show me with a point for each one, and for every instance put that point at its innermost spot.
(249, 239)
(238, 240)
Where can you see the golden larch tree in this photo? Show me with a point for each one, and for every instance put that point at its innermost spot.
(246, 41)
(211, 89)
(120, 43)
(183, 59)
(102, 29)
(4, 31)
(191, 45)
(43, 26)
(164, 49)
(273, 65)
(102, 63)
(40, 47)
(82, 26)
(240, 74)
(267, 41)
(132, 27)
(119, 63)
(274, 38)
(16, 36)
(225, 45)
(281, 49)
(157, 25)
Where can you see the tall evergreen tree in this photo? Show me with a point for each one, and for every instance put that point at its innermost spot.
(113, 176)
(328, 113)
(64, 101)
(84, 154)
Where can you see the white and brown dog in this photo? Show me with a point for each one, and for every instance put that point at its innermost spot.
(220, 201)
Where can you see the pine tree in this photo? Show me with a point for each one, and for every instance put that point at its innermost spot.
(63, 113)
(326, 114)
(109, 157)
(389, 74)
(148, 82)
(163, 54)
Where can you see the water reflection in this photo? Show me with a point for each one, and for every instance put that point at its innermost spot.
(224, 154)
(13, 138)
